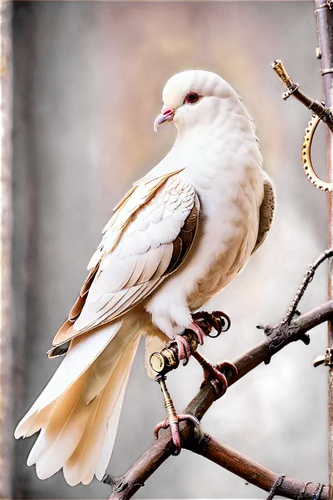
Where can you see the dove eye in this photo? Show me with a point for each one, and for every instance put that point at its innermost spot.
(192, 97)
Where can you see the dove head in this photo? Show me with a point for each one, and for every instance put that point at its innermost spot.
(193, 98)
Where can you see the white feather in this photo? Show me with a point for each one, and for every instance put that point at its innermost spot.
(75, 430)
(104, 414)
(84, 350)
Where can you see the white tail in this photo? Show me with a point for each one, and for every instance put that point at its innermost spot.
(78, 411)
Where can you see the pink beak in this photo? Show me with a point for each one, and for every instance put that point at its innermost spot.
(166, 116)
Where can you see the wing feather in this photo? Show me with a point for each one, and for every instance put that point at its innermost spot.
(148, 249)
(266, 214)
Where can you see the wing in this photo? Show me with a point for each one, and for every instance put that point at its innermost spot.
(266, 212)
(154, 239)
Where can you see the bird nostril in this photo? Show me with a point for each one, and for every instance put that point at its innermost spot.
(167, 112)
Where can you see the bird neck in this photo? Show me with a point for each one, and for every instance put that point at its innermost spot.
(228, 134)
(219, 122)
(210, 150)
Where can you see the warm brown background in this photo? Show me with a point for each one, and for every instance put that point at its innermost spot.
(87, 84)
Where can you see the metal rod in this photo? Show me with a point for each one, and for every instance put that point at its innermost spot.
(293, 89)
(324, 15)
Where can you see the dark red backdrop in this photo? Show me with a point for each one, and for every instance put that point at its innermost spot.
(88, 78)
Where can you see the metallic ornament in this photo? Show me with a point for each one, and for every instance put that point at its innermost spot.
(306, 157)
(326, 360)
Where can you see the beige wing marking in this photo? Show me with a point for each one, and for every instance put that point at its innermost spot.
(266, 212)
(152, 246)
(183, 242)
(138, 196)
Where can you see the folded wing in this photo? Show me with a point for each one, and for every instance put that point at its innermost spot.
(145, 241)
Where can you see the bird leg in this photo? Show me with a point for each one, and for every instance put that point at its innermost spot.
(214, 375)
(183, 346)
(198, 331)
(172, 419)
(187, 343)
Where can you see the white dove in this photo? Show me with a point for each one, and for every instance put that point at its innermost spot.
(178, 237)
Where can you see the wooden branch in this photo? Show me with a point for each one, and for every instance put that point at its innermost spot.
(308, 277)
(279, 336)
(255, 473)
(285, 332)
(261, 353)
(276, 338)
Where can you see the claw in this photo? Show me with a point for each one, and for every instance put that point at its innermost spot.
(159, 426)
(174, 428)
(172, 419)
(184, 348)
(213, 373)
(196, 329)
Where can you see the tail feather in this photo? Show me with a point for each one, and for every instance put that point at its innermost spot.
(78, 426)
(60, 435)
(113, 414)
(73, 471)
(109, 440)
(36, 421)
(82, 353)
(93, 453)
(108, 360)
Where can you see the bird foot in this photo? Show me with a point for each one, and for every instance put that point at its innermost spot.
(174, 428)
(172, 419)
(213, 373)
(184, 346)
(216, 320)
(198, 331)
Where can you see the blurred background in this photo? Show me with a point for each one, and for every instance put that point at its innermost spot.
(87, 87)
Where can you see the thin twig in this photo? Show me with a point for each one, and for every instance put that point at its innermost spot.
(309, 275)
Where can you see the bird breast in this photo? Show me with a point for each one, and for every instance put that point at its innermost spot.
(228, 231)
(227, 234)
